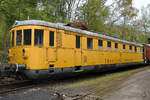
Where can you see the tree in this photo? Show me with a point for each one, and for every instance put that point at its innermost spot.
(122, 11)
(94, 13)
(55, 10)
(144, 21)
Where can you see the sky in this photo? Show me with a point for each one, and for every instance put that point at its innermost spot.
(140, 3)
(137, 3)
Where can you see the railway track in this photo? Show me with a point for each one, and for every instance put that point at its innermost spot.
(24, 85)
(15, 86)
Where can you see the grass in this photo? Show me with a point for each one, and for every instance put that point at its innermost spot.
(1, 68)
(103, 84)
(105, 80)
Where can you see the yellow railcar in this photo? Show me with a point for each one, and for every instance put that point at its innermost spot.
(39, 49)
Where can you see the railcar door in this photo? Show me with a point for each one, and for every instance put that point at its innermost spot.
(78, 51)
(51, 51)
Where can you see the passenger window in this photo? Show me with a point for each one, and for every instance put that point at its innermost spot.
(77, 41)
(100, 44)
(89, 43)
(12, 38)
(130, 48)
(124, 48)
(116, 46)
(51, 38)
(140, 49)
(38, 37)
(27, 37)
(109, 45)
(19, 37)
(135, 49)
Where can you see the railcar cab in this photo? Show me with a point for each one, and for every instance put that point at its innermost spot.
(30, 45)
(24, 39)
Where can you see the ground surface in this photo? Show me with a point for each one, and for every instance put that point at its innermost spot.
(131, 84)
(136, 87)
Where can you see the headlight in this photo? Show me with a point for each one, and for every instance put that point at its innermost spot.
(25, 53)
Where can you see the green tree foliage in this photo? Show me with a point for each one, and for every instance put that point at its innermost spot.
(127, 11)
(121, 21)
(11, 10)
(122, 11)
(118, 19)
(94, 13)
(49, 10)
(143, 22)
(60, 10)
(54, 10)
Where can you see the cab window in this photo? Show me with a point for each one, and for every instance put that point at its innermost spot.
(109, 45)
(51, 38)
(27, 37)
(38, 37)
(19, 37)
(12, 38)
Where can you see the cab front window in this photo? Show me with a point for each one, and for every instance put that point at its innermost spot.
(19, 37)
(38, 37)
(27, 37)
(12, 38)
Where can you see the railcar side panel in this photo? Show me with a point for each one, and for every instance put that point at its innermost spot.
(58, 50)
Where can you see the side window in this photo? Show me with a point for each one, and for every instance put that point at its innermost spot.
(100, 44)
(38, 37)
(141, 49)
(27, 37)
(135, 49)
(77, 41)
(19, 37)
(89, 43)
(51, 38)
(116, 46)
(130, 48)
(124, 48)
(12, 38)
(109, 45)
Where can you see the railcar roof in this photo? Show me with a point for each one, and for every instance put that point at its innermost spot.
(63, 27)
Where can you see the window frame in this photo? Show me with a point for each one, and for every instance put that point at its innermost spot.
(30, 37)
(100, 44)
(51, 40)
(89, 43)
(124, 48)
(38, 41)
(116, 46)
(135, 49)
(13, 38)
(17, 38)
(130, 48)
(109, 45)
(141, 49)
(78, 41)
